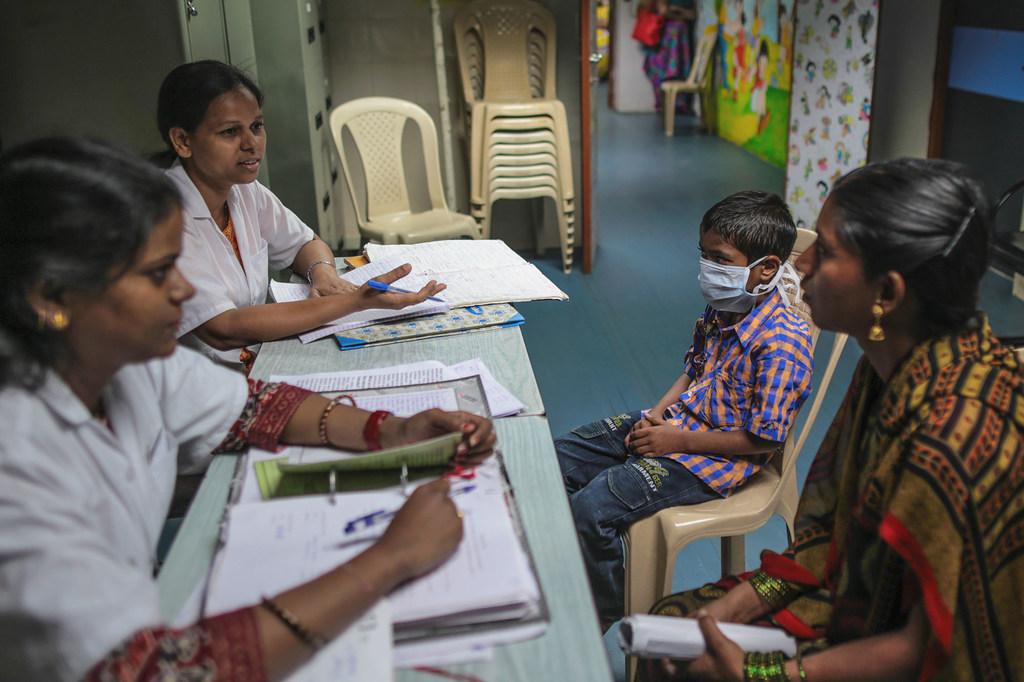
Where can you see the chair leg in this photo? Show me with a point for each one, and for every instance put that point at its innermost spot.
(668, 104)
(733, 559)
(537, 217)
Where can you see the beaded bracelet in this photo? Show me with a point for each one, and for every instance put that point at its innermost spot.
(371, 432)
(309, 270)
(311, 639)
(768, 667)
(775, 592)
(322, 428)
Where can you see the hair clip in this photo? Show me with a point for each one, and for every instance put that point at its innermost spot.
(959, 233)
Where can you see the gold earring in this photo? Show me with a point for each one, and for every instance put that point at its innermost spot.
(60, 321)
(876, 333)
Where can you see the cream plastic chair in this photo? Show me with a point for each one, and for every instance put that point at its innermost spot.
(506, 52)
(698, 81)
(376, 125)
(652, 544)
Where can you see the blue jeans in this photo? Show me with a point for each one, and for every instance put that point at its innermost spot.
(608, 490)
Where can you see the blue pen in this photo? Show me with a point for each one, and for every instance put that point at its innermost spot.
(380, 286)
(367, 520)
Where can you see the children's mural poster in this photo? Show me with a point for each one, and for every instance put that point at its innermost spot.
(833, 80)
(754, 50)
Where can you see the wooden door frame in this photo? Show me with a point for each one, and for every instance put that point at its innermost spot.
(584, 207)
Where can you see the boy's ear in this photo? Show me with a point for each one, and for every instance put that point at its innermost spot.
(769, 267)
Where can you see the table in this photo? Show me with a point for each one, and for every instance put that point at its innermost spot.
(572, 648)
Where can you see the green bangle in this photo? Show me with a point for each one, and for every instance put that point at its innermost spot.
(775, 592)
(800, 666)
(768, 667)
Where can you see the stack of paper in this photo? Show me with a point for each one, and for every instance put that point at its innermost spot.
(489, 581)
(477, 271)
(296, 291)
(680, 638)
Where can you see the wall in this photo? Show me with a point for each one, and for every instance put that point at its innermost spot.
(904, 79)
(74, 67)
(385, 48)
(631, 91)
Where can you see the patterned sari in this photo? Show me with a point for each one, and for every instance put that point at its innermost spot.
(916, 495)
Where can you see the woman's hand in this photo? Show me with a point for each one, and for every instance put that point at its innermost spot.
(425, 531)
(329, 284)
(478, 437)
(722, 658)
(393, 300)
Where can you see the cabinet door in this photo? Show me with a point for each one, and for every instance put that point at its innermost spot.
(203, 30)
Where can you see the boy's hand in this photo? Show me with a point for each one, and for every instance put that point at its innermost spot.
(656, 440)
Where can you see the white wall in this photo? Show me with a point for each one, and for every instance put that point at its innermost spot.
(904, 79)
(631, 90)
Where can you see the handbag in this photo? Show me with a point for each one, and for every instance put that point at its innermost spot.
(649, 26)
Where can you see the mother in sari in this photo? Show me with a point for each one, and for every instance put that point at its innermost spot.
(907, 560)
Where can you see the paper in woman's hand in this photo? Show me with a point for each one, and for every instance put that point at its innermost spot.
(649, 636)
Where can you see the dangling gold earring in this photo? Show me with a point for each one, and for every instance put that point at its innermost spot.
(876, 333)
(60, 321)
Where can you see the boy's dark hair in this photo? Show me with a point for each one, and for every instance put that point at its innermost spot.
(757, 223)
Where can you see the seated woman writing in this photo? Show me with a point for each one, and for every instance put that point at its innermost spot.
(906, 562)
(209, 115)
(101, 407)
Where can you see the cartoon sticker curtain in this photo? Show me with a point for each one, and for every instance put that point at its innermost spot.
(833, 78)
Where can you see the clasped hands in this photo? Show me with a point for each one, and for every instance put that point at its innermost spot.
(654, 437)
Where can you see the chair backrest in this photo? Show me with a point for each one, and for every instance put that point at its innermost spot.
(376, 126)
(794, 445)
(700, 70)
(506, 50)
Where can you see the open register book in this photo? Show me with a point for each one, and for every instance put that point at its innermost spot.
(488, 583)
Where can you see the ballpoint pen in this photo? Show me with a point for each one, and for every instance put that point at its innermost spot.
(380, 286)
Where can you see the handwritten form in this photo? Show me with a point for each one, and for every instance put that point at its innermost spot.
(292, 541)
(501, 402)
(477, 271)
(298, 291)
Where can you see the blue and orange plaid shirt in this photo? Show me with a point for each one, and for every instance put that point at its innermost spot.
(756, 375)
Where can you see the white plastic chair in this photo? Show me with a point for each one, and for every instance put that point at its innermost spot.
(652, 544)
(698, 81)
(384, 215)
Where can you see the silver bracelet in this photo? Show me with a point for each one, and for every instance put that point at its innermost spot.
(309, 270)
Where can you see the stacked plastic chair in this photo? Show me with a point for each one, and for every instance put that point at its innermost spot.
(518, 133)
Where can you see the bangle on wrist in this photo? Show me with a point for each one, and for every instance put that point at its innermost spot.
(775, 592)
(769, 667)
(311, 639)
(309, 270)
(800, 666)
(371, 432)
(322, 428)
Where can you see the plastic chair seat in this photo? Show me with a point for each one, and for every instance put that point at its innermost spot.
(376, 126)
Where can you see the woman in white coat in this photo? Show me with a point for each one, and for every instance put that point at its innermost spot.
(209, 115)
(101, 407)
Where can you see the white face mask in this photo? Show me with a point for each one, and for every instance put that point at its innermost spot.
(725, 286)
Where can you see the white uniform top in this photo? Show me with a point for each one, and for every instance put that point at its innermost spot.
(268, 235)
(81, 507)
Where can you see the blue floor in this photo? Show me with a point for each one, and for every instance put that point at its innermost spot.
(618, 343)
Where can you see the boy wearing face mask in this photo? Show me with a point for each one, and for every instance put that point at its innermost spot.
(744, 377)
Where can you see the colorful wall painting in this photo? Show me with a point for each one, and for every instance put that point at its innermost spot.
(754, 49)
(833, 81)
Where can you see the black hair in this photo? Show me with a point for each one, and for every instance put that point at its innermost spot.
(929, 220)
(757, 223)
(189, 89)
(74, 214)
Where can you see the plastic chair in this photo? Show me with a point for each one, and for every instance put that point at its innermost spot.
(698, 80)
(506, 51)
(652, 544)
(376, 125)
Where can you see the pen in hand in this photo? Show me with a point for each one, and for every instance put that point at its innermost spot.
(380, 286)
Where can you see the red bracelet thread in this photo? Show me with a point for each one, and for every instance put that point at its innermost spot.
(371, 432)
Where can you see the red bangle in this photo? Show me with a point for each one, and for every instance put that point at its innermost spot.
(371, 432)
